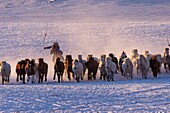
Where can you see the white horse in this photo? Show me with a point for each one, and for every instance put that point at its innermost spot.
(160, 60)
(134, 58)
(78, 70)
(143, 65)
(110, 69)
(127, 68)
(5, 71)
(102, 65)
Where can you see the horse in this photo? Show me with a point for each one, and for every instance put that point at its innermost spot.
(31, 70)
(115, 60)
(83, 62)
(160, 60)
(59, 69)
(5, 71)
(111, 68)
(134, 58)
(102, 65)
(127, 68)
(42, 70)
(154, 64)
(166, 59)
(78, 70)
(123, 56)
(143, 65)
(92, 67)
(68, 66)
(20, 70)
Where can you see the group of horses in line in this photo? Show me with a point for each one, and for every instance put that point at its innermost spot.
(76, 69)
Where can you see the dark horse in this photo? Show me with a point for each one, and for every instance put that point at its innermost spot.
(59, 69)
(31, 70)
(166, 59)
(68, 66)
(154, 65)
(92, 66)
(20, 70)
(42, 70)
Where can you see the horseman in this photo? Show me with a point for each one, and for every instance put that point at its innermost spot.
(55, 48)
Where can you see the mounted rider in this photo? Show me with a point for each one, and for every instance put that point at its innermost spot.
(55, 48)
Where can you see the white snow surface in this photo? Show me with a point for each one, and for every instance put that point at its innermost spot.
(84, 27)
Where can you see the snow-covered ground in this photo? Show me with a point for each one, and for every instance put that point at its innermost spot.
(84, 27)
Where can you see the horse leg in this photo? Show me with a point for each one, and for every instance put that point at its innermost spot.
(121, 71)
(100, 75)
(94, 74)
(72, 74)
(3, 80)
(108, 77)
(33, 79)
(23, 79)
(61, 77)
(165, 67)
(131, 75)
(17, 77)
(58, 74)
(45, 77)
(104, 76)
(89, 75)
(39, 77)
(112, 77)
(28, 78)
(20, 76)
(42, 77)
(54, 75)
(68, 73)
(78, 78)
(145, 74)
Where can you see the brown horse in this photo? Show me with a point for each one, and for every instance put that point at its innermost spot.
(92, 66)
(154, 65)
(68, 66)
(20, 70)
(42, 70)
(31, 70)
(59, 69)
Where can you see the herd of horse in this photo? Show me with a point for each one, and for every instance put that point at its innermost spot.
(76, 69)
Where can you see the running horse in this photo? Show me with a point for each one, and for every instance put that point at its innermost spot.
(42, 70)
(5, 71)
(166, 59)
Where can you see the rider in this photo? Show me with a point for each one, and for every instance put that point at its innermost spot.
(55, 48)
